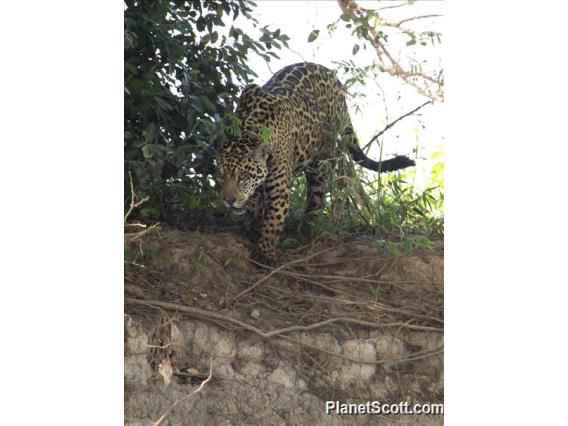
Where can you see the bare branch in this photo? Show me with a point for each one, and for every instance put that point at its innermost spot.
(134, 202)
(274, 271)
(415, 18)
(406, 3)
(388, 126)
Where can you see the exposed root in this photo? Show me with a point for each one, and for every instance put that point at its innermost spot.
(219, 319)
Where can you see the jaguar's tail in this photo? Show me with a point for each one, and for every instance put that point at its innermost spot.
(396, 163)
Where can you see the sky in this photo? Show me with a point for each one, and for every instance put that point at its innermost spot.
(387, 98)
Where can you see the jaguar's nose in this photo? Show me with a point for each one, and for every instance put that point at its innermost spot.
(230, 200)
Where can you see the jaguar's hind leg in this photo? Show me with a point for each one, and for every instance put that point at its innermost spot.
(315, 185)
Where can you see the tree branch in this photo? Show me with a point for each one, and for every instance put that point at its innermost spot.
(424, 84)
(388, 126)
(415, 18)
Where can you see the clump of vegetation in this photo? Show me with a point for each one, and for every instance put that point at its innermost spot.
(185, 66)
(358, 201)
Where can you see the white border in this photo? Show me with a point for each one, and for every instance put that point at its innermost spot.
(505, 245)
(62, 182)
(61, 214)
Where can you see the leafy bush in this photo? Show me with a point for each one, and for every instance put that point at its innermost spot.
(184, 65)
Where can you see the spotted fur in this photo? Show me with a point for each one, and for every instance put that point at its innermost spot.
(303, 106)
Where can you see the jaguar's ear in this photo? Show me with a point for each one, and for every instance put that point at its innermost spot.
(262, 151)
(250, 90)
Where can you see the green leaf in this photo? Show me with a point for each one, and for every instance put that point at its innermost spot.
(207, 103)
(313, 35)
(355, 49)
(345, 17)
(147, 151)
(150, 132)
(289, 243)
(200, 24)
(265, 134)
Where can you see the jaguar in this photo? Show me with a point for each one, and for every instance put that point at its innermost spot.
(285, 127)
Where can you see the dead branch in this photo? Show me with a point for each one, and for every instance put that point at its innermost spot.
(129, 237)
(134, 201)
(393, 6)
(274, 271)
(185, 398)
(414, 18)
(388, 126)
(309, 278)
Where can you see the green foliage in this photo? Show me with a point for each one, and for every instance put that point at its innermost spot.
(150, 251)
(362, 201)
(198, 259)
(184, 66)
(142, 252)
(358, 201)
(393, 248)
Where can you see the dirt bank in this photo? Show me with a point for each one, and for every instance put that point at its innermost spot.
(336, 321)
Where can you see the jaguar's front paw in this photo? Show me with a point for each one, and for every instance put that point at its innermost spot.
(265, 260)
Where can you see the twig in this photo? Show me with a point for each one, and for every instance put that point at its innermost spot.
(392, 7)
(382, 306)
(129, 237)
(388, 126)
(185, 398)
(414, 18)
(133, 198)
(135, 264)
(274, 271)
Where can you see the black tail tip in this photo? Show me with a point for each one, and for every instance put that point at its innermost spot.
(402, 162)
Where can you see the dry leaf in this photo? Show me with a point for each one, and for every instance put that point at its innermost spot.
(192, 372)
(255, 314)
(166, 370)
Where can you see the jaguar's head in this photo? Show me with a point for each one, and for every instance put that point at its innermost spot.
(242, 167)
